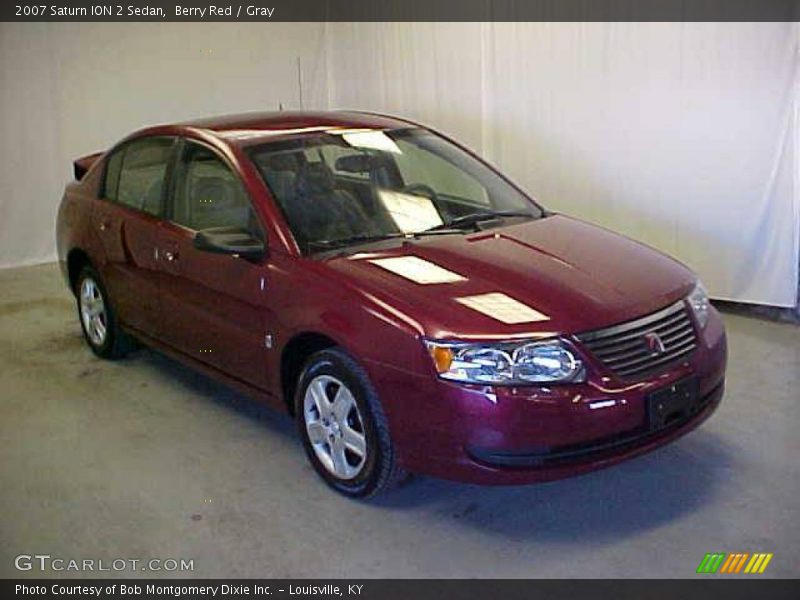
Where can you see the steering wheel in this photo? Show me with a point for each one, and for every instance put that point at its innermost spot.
(415, 188)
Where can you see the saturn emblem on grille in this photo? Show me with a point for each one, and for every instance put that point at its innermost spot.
(654, 343)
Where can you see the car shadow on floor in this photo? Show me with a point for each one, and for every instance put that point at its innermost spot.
(642, 494)
(638, 495)
(207, 389)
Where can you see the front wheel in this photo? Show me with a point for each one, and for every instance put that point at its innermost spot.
(343, 427)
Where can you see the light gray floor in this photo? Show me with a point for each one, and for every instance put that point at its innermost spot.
(144, 458)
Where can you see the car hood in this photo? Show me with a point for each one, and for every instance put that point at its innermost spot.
(552, 275)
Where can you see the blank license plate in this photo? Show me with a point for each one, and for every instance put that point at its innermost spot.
(671, 403)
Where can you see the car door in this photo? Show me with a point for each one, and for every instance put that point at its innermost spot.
(126, 219)
(212, 304)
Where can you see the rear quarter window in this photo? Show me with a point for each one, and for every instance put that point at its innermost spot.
(136, 174)
(111, 181)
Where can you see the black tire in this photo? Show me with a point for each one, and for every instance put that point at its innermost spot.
(116, 343)
(381, 469)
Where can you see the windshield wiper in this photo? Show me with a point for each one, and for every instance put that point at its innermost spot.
(365, 239)
(475, 218)
(355, 239)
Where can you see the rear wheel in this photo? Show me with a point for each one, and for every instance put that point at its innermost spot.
(343, 427)
(98, 320)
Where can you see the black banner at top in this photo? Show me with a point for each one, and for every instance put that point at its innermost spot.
(400, 10)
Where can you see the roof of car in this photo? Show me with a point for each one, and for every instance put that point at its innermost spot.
(252, 124)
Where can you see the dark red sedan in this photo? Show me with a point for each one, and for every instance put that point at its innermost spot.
(413, 308)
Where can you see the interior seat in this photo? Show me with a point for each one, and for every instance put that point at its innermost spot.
(323, 211)
(216, 202)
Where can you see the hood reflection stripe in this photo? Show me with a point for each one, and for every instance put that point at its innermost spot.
(503, 308)
(417, 270)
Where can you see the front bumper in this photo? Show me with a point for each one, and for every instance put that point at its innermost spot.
(518, 435)
(598, 449)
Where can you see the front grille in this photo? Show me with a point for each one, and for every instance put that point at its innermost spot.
(624, 348)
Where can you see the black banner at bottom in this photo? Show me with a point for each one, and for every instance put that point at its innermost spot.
(366, 589)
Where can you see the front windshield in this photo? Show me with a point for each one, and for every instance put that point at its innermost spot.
(345, 187)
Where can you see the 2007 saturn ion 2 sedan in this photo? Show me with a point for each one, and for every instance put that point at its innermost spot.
(410, 306)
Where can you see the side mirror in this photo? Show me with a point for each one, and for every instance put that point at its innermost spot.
(230, 240)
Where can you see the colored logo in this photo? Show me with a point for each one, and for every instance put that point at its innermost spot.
(654, 343)
(735, 562)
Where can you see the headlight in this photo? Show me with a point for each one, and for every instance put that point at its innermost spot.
(698, 300)
(506, 363)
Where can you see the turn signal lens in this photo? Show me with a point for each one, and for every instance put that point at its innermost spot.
(442, 357)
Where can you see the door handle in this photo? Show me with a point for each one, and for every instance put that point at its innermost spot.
(170, 256)
(104, 224)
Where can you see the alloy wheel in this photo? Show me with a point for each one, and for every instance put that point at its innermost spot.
(335, 427)
(93, 311)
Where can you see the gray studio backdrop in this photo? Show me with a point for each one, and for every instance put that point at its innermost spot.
(682, 135)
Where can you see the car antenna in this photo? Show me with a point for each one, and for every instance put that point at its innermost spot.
(300, 82)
